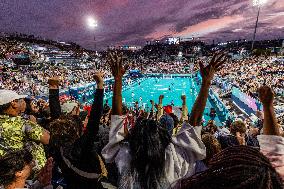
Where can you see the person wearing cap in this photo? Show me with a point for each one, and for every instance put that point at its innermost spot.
(17, 133)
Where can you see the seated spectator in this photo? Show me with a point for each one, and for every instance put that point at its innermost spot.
(212, 147)
(238, 136)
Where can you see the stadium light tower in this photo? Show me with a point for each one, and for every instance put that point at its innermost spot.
(256, 3)
(92, 23)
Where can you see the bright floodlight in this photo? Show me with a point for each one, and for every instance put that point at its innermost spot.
(258, 2)
(92, 23)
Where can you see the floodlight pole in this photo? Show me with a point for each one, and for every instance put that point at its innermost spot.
(95, 44)
(255, 28)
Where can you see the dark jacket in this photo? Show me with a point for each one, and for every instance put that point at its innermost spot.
(80, 164)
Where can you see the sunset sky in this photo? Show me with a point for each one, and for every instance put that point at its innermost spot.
(136, 21)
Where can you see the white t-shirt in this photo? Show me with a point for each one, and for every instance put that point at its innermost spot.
(180, 156)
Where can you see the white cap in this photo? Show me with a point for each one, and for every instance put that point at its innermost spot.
(7, 96)
(68, 107)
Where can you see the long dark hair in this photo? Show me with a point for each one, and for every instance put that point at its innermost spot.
(235, 167)
(12, 163)
(148, 141)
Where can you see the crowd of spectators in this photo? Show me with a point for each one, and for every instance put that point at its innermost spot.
(32, 80)
(252, 72)
(55, 144)
(249, 74)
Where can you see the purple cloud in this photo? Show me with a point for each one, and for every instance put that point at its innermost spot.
(135, 21)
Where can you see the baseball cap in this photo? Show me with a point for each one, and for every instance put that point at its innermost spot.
(7, 96)
(168, 109)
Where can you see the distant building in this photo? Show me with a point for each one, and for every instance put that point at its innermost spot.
(125, 48)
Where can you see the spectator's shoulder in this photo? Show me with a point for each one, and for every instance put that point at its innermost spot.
(12, 121)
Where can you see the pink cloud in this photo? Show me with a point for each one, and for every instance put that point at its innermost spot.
(209, 26)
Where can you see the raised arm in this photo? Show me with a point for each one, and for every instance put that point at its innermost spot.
(115, 62)
(118, 131)
(160, 107)
(270, 125)
(97, 107)
(184, 116)
(54, 103)
(152, 110)
(207, 74)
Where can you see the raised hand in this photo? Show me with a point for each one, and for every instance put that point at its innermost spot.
(207, 73)
(266, 95)
(270, 124)
(99, 79)
(115, 61)
(53, 82)
(161, 97)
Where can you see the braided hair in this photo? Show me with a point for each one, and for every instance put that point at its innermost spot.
(237, 167)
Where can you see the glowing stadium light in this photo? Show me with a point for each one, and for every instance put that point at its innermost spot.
(92, 23)
(258, 3)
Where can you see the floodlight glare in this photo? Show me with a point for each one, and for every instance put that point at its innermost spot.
(258, 3)
(91, 22)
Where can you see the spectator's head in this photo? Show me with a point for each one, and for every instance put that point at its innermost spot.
(236, 167)
(175, 118)
(125, 110)
(168, 109)
(64, 131)
(238, 126)
(212, 146)
(148, 141)
(211, 127)
(167, 122)
(29, 109)
(15, 167)
(11, 103)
